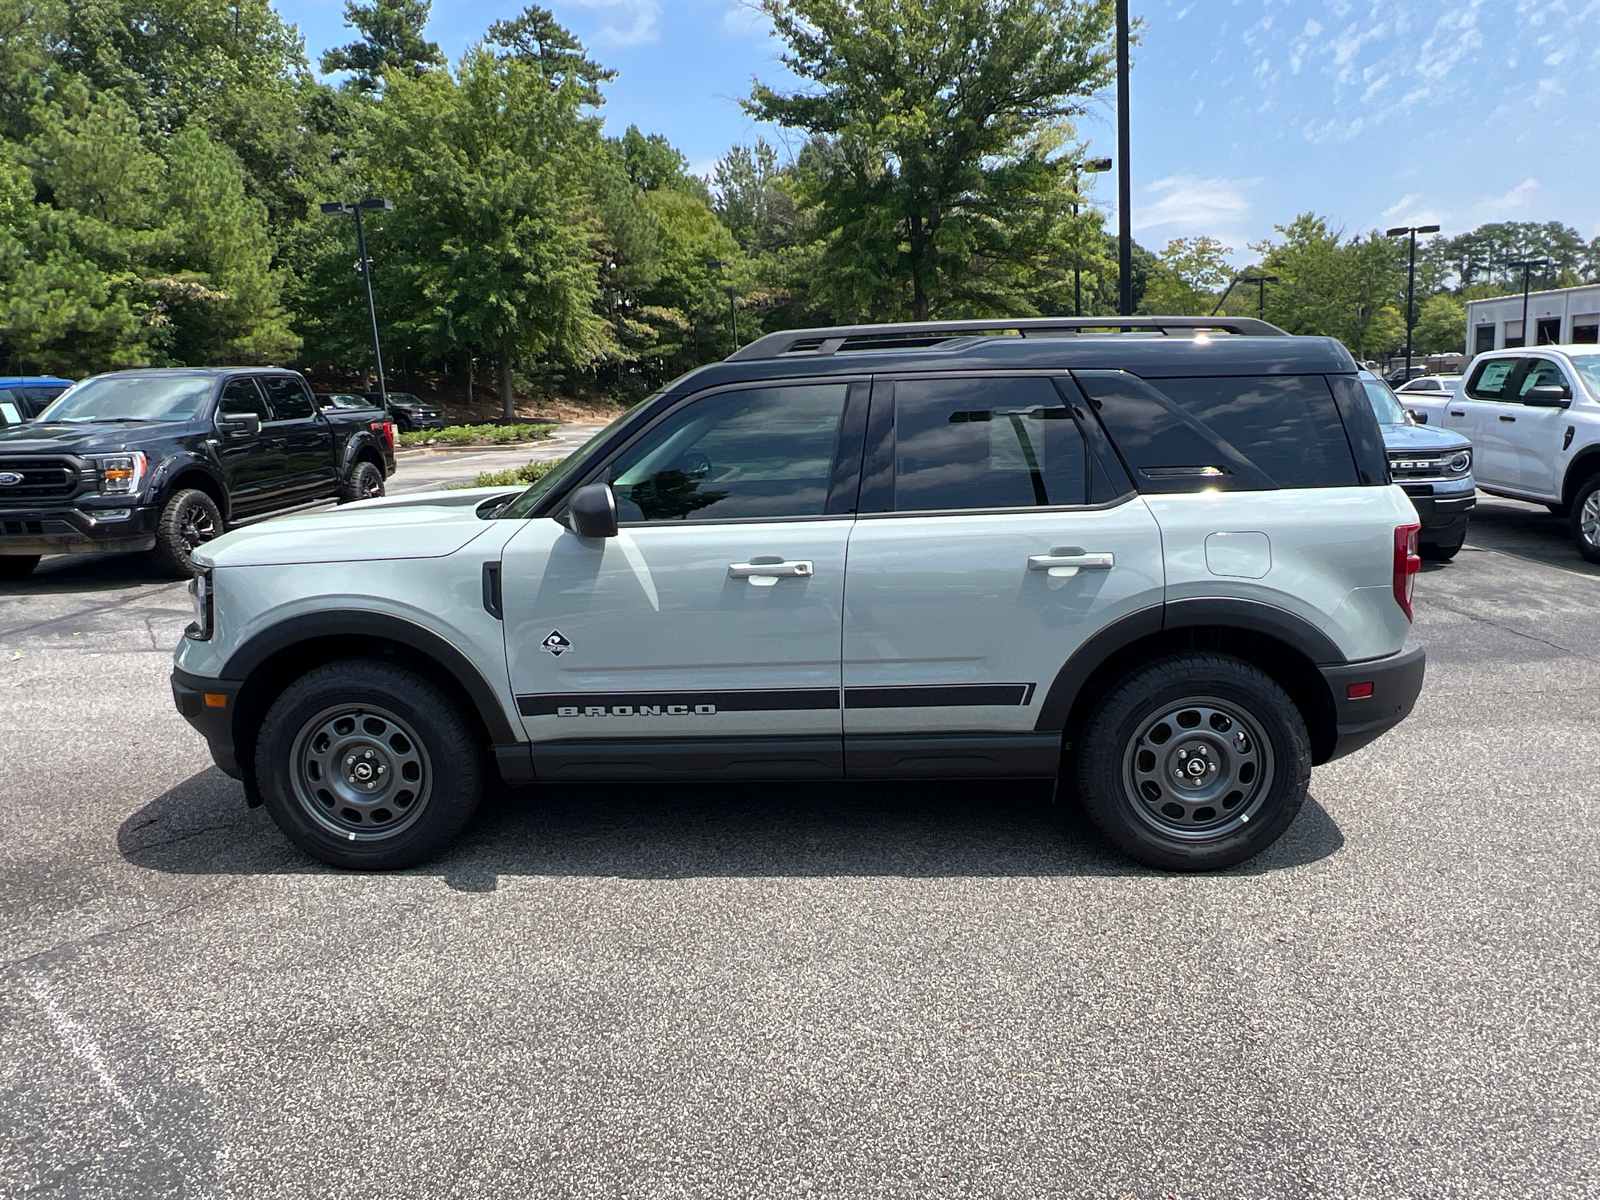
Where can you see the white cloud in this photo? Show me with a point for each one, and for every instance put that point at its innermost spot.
(1188, 205)
(1409, 210)
(1508, 205)
(628, 22)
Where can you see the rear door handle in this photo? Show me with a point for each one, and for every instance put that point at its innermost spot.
(1454, 413)
(1065, 563)
(1506, 418)
(767, 573)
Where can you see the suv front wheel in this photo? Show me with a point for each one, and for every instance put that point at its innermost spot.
(368, 766)
(1194, 762)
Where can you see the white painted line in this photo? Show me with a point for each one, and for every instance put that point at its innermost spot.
(82, 1046)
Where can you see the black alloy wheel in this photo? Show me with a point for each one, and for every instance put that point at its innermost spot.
(365, 483)
(188, 521)
(1193, 762)
(368, 765)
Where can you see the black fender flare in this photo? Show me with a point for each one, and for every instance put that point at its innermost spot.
(244, 661)
(1252, 615)
(183, 462)
(362, 440)
(1585, 463)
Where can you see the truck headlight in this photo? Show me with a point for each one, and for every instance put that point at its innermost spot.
(1459, 463)
(200, 592)
(120, 474)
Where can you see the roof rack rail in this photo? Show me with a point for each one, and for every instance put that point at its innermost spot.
(908, 334)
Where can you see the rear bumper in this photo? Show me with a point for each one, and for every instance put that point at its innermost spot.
(68, 530)
(1396, 683)
(208, 705)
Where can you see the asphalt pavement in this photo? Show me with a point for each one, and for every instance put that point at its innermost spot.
(829, 991)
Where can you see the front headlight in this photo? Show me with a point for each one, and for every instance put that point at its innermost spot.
(120, 474)
(200, 592)
(1459, 463)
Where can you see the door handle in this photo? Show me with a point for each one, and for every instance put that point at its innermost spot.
(1068, 561)
(767, 574)
(1454, 413)
(1503, 417)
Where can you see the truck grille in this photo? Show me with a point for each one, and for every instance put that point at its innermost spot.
(1424, 466)
(42, 479)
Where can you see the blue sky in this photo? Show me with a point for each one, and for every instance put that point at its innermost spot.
(1245, 112)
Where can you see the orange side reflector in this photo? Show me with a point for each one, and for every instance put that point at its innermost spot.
(216, 700)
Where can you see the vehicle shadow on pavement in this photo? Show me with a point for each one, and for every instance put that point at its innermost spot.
(80, 573)
(675, 831)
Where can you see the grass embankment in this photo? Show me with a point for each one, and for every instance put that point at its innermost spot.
(475, 435)
(515, 477)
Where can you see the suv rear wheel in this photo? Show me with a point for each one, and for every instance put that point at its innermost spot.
(368, 766)
(1194, 762)
(1586, 519)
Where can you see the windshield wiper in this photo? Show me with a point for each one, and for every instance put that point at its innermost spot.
(105, 420)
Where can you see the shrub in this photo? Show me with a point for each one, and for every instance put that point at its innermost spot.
(467, 435)
(515, 477)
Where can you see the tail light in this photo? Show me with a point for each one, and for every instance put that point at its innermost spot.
(388, 431)
(1407, 562)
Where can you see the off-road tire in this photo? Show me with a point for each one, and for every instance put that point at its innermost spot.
(1585, 519)
(17, 566)
(1118, 755)
(1437, 552)
(189, 519)
(365, 483)
(398, 720)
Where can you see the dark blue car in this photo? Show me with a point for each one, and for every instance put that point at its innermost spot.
(23, 397)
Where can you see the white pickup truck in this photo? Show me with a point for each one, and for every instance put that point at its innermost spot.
(1533, 417)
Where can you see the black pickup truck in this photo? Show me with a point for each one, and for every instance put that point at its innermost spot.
(163, 460)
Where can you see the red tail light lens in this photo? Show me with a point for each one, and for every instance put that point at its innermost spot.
(388, 431)
(1407, 562)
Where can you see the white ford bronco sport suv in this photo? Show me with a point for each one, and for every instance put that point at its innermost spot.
(1164, 566)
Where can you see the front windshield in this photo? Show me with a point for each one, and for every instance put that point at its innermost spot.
(1384, 404)
(569, 466)
(131, 398)
(1588, 366)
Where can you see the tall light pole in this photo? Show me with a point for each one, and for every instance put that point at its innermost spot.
(1124, 175)
(716, 264)
(1259, 280)
(372, 204)
(1527, 265)
(1411, 280)
(1094, 166)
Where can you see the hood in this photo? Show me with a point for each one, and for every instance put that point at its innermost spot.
(1422, 437)
(426, 525)
(34, 437)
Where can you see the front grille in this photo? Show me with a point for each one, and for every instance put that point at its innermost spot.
(42, 479)
(1416, 467)
(35, 527)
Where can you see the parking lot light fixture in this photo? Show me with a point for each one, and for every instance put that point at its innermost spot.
(1527, 265)
(1091, 166)
(716, 264)
(344, 208)
(1410, 231)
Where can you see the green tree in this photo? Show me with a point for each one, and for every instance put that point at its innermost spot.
(487, 248)
(1441, 326)
(391, 42)
(536, 36)
(1188, 275)
(1349, 289)
(938, 176)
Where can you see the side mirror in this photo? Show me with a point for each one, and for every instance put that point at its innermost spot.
(238, 424)
(1417, 415)
(593, 511)
(1550, 396)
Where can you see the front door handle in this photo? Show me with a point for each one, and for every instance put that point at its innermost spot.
(1063, 563)
(766, 572)
(1454, 413)
(1503, 417)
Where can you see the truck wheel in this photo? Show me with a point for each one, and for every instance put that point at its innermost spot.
(189, 520)
(1586, 519)
(368, 766)
(1194, 762)
(365, 483)
(17, 566)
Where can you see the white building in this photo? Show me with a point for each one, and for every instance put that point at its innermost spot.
(1560, 317)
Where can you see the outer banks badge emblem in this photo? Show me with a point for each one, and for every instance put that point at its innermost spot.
(556, 643)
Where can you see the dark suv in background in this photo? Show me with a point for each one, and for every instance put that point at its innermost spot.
(410, 412)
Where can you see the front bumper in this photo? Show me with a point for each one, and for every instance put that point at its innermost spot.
(1396, 683)
(416, 421)
(208, 705)
(1443, 514)
(71, 530)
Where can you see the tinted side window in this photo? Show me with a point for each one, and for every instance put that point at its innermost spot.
(1285, 424)
(1542, 373)
(985, 443)
(290, 400)
(242, 396)
(1492, 380)
(759, 452)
